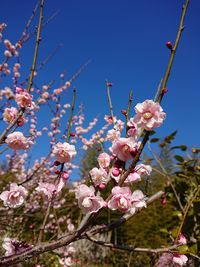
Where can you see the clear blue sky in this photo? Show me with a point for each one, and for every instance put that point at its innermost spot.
(126, 42)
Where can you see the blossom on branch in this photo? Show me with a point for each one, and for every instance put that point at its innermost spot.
(123, 148)
(149, 115)
(18, 141)
(87, 201)
(64, 152)
(23, 98)
(15, 197)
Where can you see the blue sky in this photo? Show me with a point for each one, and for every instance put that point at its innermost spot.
(126, 42)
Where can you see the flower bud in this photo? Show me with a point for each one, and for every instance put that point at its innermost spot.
(102, 186)
(115, 172)
(72, 134)
(56, 163)
(169, 45)
(133, 151)
(164, 90)
(124, 112)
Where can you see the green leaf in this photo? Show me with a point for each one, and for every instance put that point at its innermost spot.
(183, 249)
(182, 147)
(164, 230)
(177, 213)
(154, 140)
(179, 158)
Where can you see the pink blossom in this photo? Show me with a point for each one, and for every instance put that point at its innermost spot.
(182, 240)
(98, 176)
(18, 141)
(9, 114)
(113, 135)
(149, 115)
(64, 152)
(87, 201)
(15, 197)
(8, 246)
(121, 199)
(133, 128)
(124, 147)
(138, 201)
(139, 172)
(47, 189)
(180, 259)
(109, 119)
(23, 98)
(104, 160)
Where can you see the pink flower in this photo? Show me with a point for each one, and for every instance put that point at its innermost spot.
(113, 135)
(15, 197)
(149, 115)
(23, 98)
(126, 201)
(180, 259)
(8, 246)
(87, 201)
(121, 199)
(133, 129)
(139, 172)
(98, 176)
(182, 240)
(9, 114)
(138, 201)
(47, 189)
(123, 148)
(64, 152)
(104, 160)
(18, 141)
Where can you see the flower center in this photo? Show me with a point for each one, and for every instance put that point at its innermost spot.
(147, 115)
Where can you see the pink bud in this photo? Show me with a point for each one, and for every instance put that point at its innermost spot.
(124, 112)
(164, 90)
(102, 186)
(57, 172)
(56, 163)
(115, 172)
(169, 45)
(65, 175)
(72, 134)
(133, 152)
(109, 84)
(163, 201)
(20, 123)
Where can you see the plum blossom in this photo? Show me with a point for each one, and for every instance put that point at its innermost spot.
(15, 197)
(18, 141)
(133, 129)
(139, 172)
(113, 135)
(98, 176)
(138, 201)
(47, 189)
(149, 115)
(126, 201)
(9, 114)
(23, 98)
(87, 201)
(123, 148)
(180, 259)
(103, 160)
(64, 152)
(8, 246)
(121, 199)
(182, 240)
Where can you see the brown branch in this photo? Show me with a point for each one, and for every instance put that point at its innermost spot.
(133, 249)
(164, 83)
(66, 240)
